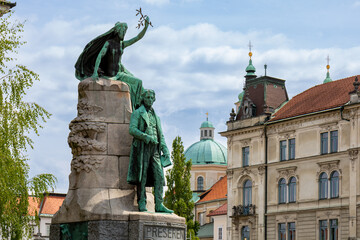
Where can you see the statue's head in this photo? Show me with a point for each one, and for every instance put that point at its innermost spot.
(148, 98)
(121, 29)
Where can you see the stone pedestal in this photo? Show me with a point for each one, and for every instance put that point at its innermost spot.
(139, 226)
(98, 194)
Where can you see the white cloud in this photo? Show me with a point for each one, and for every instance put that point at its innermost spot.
(196, 69)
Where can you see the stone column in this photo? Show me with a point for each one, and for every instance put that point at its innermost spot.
(353, 156)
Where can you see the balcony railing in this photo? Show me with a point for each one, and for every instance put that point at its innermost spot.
(240, 210)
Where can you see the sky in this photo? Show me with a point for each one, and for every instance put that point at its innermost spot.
(194, 57)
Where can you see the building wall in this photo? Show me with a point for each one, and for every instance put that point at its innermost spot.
(307, 166)
(220, 222)
(211, 174)
(206, 208)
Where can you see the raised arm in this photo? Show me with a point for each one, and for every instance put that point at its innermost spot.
(139, 36)
(98, 60)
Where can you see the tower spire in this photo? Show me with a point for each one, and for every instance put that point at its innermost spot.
(250, 69)
(328, 79)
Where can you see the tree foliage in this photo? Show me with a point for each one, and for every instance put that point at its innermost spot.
(178, 196)
(18, 119)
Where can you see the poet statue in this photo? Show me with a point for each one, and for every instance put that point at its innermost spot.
(101, 57)
(149, 153)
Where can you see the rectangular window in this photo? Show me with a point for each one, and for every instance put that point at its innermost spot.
(324, 143)
(47, 229)
(323, 230)
(333, 141)
(220, 234)
(282, 231)
(202, 218)
(283, 150)
(292, 148)
(245, 155)
(333, 229)
(205, 133)
(209, 133)
(291, 231)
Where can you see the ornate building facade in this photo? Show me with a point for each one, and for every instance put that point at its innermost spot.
(209, 162)
(293, 166)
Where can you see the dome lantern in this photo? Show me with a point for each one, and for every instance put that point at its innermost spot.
(206, 129)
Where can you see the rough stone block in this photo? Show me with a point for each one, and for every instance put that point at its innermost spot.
(103, 84)
(116, 106)
(55, 232)
(122, 202)
(108, 230)
(123, 170)
(98, 172)
(119, 140)
(83, 205)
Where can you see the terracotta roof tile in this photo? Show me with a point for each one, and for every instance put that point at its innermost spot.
(318, 98)
(222, 210)
(217, 191)
(52, 204)
(34, 205)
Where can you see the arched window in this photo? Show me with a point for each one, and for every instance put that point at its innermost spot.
(334, 184)
(323, 186)
(247, 193)
(292, 189)
(245, 233)
(200, 183)
(282, 190)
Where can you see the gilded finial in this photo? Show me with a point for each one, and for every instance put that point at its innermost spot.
(250, 53)
(328, 79)
(207, 116)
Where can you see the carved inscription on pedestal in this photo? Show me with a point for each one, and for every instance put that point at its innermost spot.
(152, 232)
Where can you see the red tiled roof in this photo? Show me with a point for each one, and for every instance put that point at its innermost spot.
(219, 211)
(52, 204)
(320, 97)
(217, 191)
(34, 206)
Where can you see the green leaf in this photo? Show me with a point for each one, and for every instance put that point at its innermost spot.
(18, 119)
(178, 196)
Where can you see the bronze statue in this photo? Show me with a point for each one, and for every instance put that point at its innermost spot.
(101, 57)
(146, 162)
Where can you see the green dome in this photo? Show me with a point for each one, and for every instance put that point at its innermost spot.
(250, 69)
(207, 151)
(206, 124)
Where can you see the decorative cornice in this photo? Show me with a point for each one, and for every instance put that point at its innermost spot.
(245, 171)
(273, 126)
(261, 170)
(328, 166)
(245, 142)
(353, 155)
(286, 172)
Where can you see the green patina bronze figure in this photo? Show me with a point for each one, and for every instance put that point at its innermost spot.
(102, 58)
(146, 162)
